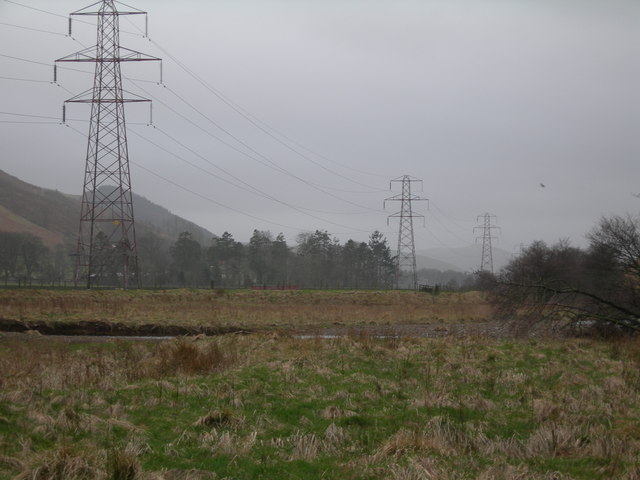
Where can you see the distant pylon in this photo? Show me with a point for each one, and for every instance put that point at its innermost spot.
(106, 248)
(486, 263)
(406, 257)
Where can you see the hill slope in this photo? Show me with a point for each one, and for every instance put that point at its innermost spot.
(53, 216)
(467, 259)
(424, 261)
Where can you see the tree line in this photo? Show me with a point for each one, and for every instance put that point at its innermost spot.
(594, 286)
(25, 258)
(316, 261)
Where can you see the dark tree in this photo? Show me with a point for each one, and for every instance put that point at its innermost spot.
(280, 256)
(227, 259)
(153, 259)
(260, 259)
(599, 286)
(318, 257)
(34, 255)
(10, 244)
(382, 267)
(351, 264)
(186, 253)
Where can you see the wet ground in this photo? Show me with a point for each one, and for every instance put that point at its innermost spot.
(83, 332)
(110, 329)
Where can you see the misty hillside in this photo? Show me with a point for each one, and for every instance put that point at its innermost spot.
(48, 214)
(464, 259)
(53, 216)
(429, 262)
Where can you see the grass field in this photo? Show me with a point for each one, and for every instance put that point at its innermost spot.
(273, 406)
(243, 308)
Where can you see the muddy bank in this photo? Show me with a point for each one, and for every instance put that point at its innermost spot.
(111, 329)
(101, 330)
(491, 329)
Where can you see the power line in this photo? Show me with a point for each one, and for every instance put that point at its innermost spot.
(211, 200)
(206, 117)
(443, 244)
(456, 223)
(26, 115)
(448, 230)
(258, 123)
(178, 96)
(32, 29)
(199, 195)
(267, 162)
(316, 186)
(24, 59)
(51, 65)
(63, 16)
(28, 122)
(362, 172)
(300, 209)
(43, 11)
(69, 69)
(192, 151)
(247, 187)
(25, 80)
(245, 114)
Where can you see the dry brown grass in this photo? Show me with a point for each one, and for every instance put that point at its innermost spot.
(417, 469)
(61, 464)
(246, 308)
(308, 446)
(175, 474)
(48, 365)
(406, 408)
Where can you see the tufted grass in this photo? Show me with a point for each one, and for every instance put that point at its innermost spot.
(273, 406)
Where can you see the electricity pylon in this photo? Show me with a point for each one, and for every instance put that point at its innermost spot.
(486, 263)
(106, 249)
(406, 257)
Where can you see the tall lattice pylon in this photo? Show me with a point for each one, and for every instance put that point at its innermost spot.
(106, 249)
(486, 263)
(406, 257)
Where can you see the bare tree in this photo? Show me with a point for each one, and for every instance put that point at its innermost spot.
(598, 286)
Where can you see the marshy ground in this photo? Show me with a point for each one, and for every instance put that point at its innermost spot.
(274, 406)
(196, 311)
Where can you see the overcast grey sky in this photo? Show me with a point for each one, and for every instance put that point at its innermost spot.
(483, 100)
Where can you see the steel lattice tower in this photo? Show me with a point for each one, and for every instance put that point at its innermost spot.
(486, 263)
(406, 257)
(106, 249)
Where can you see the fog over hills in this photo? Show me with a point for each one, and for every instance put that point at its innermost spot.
(464, 259)
(53, 216)
(295, 116)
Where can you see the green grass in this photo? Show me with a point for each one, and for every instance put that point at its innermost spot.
(274, 407)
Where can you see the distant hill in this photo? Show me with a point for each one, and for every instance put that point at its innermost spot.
(42, 212)
(53, 216)
(424, 261)
(465, 259)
